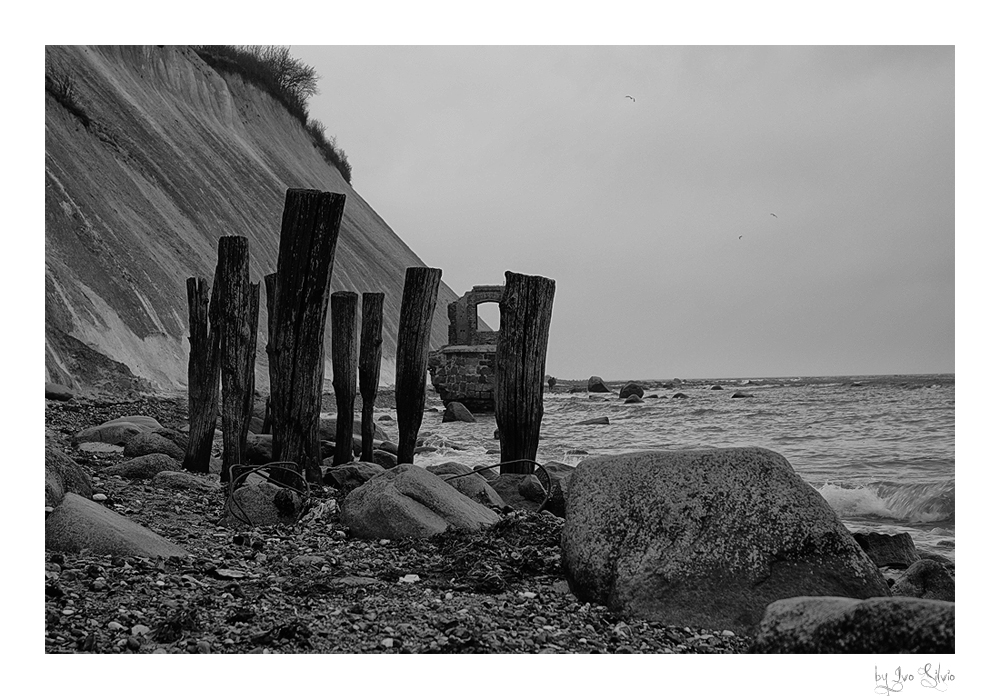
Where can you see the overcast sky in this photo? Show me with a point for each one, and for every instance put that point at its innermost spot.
(532, 159)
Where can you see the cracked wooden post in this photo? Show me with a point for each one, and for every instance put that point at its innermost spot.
(236, 316)
(269, 292)
(344, 349)
(310, 226)
(415, 314)
(203, 378)
(525, 312)
(369, 368)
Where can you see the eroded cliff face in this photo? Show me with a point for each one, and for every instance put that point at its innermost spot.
(168, 156)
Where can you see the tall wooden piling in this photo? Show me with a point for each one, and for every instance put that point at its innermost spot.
(369, 367)
(525, 313)
(236, 316)
(344, 349)
(310, 226)
(415, 314)
(203, 378)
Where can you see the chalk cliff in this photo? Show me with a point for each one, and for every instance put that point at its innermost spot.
(150, 157)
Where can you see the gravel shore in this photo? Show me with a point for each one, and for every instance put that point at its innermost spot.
(311, 588)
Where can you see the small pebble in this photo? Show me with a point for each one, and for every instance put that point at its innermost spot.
(204, 647)
(387, 642)
(100, 497)
(115, 626)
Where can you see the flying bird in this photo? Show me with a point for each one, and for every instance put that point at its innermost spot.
(741, 237)
(631, 97)
(774, 214)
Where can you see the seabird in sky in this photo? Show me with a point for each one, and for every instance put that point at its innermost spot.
(631, 97)
(774, 214)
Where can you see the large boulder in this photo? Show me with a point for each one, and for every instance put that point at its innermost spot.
(926, 579)
(595, 384)
(467, 482)
(560, 475)
(631, 389)
(78, 523)
(843, 625)
(410, 501)
(145, 443)
(259, 449)
(56, 391)
(456, 412)
(143, 467)
(888, 550)
(633, 399)
(384, 459)
(705, 538)
(262, 503)
(63, 475)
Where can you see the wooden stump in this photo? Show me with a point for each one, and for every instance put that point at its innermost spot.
(236, 316)
(310, 226)
(525, 313)
(203, 378)
(415, 314)
(369, 368)
(344, 331)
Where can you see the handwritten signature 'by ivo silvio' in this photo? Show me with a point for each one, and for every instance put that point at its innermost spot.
(928, 677)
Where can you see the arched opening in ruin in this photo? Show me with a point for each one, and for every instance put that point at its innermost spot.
(489, 313)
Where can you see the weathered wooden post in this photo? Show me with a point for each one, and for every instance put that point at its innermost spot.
(203, 378)
(344, 331)
(525, 312)
(415, 314)
(369, 368)
(310, 225)
(236, 316)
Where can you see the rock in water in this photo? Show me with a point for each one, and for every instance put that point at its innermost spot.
(456, 412)
(705, 538)
(79, 524)
(409, 501)
(631, 389)
(347, 477)
(595, 384)
(888, 550)
(842, 625)
(926, 579)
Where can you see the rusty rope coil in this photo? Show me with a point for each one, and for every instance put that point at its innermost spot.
(548, 478)
(243, 475)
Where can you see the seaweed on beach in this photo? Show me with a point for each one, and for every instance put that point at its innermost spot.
(521, 545)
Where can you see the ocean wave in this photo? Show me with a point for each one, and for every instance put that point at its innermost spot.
(915, 503)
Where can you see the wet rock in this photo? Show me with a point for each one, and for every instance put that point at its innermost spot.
(633, 399)
(518, 490)
(143, 467)
(384, 459)
(78, 523)
(888, 550)
(143, 422)
(595, 384)
(680, 395)
(117, 434)
(456, 412)
(410, 501)
(741, 394)
(705, 537)
(631, 389)
(926, 579)
(716, 387)
(843, 625)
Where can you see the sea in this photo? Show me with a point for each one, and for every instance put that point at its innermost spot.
(879, 449)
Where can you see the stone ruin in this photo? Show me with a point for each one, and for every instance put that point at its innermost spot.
(464, 370)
